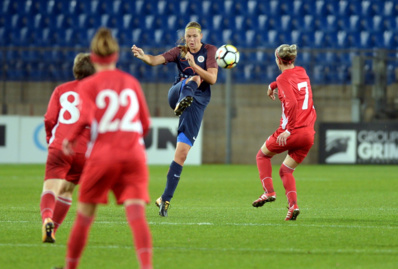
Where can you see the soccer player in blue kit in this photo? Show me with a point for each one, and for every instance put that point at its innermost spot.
(188, 97)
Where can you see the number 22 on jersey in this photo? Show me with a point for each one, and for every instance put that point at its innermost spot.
(126, 99)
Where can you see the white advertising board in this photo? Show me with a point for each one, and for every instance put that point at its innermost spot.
(24, 141)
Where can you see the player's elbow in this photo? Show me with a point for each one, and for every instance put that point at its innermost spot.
(213, 81)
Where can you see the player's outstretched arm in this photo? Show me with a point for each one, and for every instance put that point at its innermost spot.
(147, 58)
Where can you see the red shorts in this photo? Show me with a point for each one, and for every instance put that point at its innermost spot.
(60, 166)
(298, 143)
(127, 180)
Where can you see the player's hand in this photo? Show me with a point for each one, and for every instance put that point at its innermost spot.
(272, 90)
(190, 59)
(282, 138)
(138, 52)
(67, 147)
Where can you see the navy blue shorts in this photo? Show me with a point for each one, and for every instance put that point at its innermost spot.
(192, 117)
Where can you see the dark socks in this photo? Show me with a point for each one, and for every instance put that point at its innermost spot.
(188, 90)
(173, 177)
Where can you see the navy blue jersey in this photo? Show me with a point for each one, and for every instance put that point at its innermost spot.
(205, 58)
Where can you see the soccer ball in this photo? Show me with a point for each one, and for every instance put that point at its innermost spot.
(227, 56)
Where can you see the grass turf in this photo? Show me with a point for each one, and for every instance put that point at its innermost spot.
(349, 219)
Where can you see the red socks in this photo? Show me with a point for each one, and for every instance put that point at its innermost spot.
(289, 183)
(62, 206)
(264, 167)
(142, 237)
(77, 240)
(47, 204)
(138, 224)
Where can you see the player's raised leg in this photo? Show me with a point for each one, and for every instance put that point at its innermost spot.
(186, 94)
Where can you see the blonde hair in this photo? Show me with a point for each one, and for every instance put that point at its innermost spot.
(190, 25)
(82, 66)
(103, 43)
(286, 53)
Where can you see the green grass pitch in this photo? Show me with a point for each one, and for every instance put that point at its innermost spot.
(349, 219)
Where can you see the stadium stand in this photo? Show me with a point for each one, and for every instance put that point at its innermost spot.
(27, 25)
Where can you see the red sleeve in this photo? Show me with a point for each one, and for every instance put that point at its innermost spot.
(51, 116)
(211, 57)
(273, 85)
(171, 55)
(85, 108)
(289, 102)
(144, 111)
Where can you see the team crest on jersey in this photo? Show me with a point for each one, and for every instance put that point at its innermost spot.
(201, 59)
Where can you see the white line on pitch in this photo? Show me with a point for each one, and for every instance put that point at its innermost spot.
(299, 224)
(262, 250)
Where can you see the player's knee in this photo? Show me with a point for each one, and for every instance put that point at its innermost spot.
(181, 158)
(284, 170)
(66, 189)
(260, 155)
(197, 79)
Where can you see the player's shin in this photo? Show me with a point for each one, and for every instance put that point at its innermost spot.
(173, 178)
(264, 167)
(286, 174)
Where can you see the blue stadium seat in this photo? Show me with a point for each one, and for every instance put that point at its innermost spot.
(390, 23)
(3, 37)
(372, 8)
(331, 23)
(390, 9)
(217, 19)
(57, 7)
(240, 39)
(5, 7)
(350, 7)
(125, 8)
(304, 58)
(307, 7)
(100, 7)
(147, 8)
(19, 21)
(238, 23)
(15, 71)
(89, 21)
(239, 8)
(285, 23)
(192, 7)
(274, 23)
(226, 36)
(124, 37)
(76, 8)
(42, 21)
(112, 21)
(36, 71)
(297, 23)
(275, 8)
(390, 40)
(307, 39)
(307, 23)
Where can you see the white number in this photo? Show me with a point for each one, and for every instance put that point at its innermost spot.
(300, 86)
(108, 123)
(70, 107)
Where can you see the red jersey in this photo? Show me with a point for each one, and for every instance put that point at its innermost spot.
(62, 114)
(113, 104)
(294, 91)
